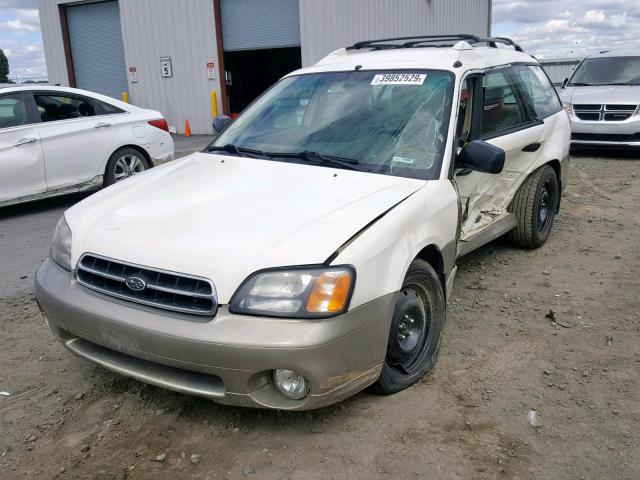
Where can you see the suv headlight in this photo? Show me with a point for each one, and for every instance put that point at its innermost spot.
(61, 244)
(567, 107)
(296, 292)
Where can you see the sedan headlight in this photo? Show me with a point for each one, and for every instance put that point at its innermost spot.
(61, 244)
(298, 292)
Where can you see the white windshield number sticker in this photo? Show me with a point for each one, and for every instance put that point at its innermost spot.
(399, 79)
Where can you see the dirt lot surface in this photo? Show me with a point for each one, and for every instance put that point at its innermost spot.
(501, 357)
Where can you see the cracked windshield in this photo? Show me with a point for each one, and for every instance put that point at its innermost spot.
(383, 122)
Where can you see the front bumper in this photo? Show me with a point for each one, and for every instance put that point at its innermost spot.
(624, 134)
(228, 358)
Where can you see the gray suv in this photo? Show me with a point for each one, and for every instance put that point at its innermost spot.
(602, 98)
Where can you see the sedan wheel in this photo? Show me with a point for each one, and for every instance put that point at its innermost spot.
(124, 163)
(128, 165)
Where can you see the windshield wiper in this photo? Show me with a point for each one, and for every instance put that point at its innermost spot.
(306, 155)
(241, 151)
(613, 84)
(580, 84)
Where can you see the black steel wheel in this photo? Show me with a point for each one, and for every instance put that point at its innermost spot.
(535, 205)
(415, 332)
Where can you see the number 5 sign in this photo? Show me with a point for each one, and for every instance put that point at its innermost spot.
(165, 67)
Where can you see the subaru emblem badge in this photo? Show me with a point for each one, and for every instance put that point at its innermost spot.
(136, 284)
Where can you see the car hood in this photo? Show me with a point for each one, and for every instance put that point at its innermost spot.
(224, 217)
(602, 95)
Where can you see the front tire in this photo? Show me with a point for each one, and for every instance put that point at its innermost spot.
(535, 205)
(416, 330)
(124, 163)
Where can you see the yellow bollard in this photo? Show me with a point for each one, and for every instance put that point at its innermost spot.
(125, 97)
(214, 104)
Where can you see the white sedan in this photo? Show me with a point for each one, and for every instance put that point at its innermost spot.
(57, 140)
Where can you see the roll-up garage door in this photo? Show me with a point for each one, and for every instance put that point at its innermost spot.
(257, 24)
(96, 47)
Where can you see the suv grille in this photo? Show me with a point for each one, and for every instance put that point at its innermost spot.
(157, 288)
(604, 113)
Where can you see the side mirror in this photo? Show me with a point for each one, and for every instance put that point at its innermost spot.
(564, 82)
(220, 122)
(481, 157)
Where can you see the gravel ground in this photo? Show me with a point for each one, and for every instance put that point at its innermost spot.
(501, 357)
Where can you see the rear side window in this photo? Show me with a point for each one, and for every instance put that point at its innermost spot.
(13, 111)
(502, 108)
(61, 107)
(108, 108)
(541, 95)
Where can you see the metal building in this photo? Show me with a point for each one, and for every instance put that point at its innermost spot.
(191, 59)
(559, 69)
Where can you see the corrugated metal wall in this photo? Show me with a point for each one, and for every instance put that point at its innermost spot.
(181, 29)
(185, 31)
(330, 24)
(560, 69)
(52, 41)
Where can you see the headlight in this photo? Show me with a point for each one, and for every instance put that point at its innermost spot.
(567, 107)
(61, 244)
(298, 292)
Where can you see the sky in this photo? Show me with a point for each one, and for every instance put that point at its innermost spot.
(568, 28)
(545, 28)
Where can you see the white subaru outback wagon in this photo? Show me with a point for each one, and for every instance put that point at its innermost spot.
(308, 252)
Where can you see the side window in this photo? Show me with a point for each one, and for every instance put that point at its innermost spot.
(108, 108)
(13, 111)
(502, 108)
(465, 112)
(62, 107)
(541, 94)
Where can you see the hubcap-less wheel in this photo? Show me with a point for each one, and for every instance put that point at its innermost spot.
(409, 329)
(544, 209)
(126, 166)
(415, 330)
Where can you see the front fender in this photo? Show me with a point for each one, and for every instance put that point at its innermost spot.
(382, 254)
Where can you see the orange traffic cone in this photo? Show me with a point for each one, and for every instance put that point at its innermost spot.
(187, 129)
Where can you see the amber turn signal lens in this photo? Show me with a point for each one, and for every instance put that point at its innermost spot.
(330, 292)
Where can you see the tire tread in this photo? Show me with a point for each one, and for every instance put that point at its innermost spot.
(522, 206)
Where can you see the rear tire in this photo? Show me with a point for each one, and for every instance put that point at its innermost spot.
(416, 330)
(535, 205)
(124, 163)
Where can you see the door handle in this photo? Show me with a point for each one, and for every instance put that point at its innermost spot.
(532, 147)
(102, 125)
(24, 141)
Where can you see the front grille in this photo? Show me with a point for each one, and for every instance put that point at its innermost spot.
(153, 287)
(606, 137)
(579, 108)
(604, 113)
(588, 116)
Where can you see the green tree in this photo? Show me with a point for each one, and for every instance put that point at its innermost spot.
(4, 68)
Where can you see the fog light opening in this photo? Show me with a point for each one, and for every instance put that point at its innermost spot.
(290, 384)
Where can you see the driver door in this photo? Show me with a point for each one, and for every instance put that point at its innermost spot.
(493, 108)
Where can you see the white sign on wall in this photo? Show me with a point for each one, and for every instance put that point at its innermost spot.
(165, 67)
(211, 71)
(133, 74)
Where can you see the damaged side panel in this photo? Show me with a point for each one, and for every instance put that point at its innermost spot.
(428, 217)
(484, 197)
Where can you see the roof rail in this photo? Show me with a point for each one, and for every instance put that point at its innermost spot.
(445, 40)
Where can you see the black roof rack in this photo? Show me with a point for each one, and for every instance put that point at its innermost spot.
(432, 41)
